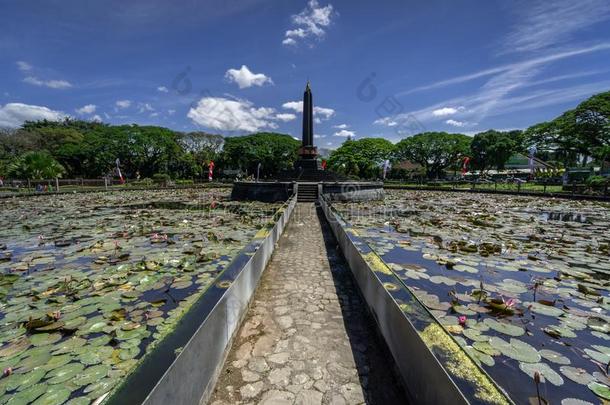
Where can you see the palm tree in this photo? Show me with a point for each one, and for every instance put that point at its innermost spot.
(36, 166)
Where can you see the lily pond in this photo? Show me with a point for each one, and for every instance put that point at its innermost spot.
(90, 282)
(521, 283)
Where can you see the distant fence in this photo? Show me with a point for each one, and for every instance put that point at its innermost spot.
(53, 186)
(536, 188)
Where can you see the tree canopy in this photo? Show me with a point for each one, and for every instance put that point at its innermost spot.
(275, 152)
(435, 151)
(361, 158)
(577, 135)
(492, 149)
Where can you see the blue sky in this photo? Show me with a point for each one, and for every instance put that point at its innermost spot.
(389, 68)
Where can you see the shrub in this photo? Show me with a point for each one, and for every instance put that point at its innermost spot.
(597, 181)
(161, 177)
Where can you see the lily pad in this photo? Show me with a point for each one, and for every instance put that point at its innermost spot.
(578, 375)
(554, 357)
(54, 395)
(44, 339)
(546, 372)
(516, 349)
(504, 327)
(64, 373)
(601, 390)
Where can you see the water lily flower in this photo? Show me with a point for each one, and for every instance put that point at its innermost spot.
(509, 303)
(462, 320)
(7, 371)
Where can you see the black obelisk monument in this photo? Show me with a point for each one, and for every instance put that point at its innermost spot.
(308, 153)
(307, 117)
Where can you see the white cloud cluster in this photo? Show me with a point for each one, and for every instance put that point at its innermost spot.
(53, 84)
(542, 24)
(123, 103)
(320, 113)
(245, 78)
(341, 126)
(345, 133)
(455, 123)
(163, 89)
(145, 107)
(285, 117)
(87, 109)
(225, 114)
(24, 66)
(13, 115)
(442, 112)
(386, 121)
(309, 23)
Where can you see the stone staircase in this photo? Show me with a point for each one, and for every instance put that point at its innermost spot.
(308, 192)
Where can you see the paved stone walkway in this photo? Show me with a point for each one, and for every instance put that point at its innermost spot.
(306, 339)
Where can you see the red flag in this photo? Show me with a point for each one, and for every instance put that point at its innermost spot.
(324, 165)
(211, 170)
(465, 165)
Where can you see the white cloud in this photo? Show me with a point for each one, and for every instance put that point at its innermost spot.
(316, 136)
(162, 89)
(442, 112)
(387, 121)
(144, 107)
(87, 109)
(542, 24)
(345, 133)
(96, 118)
(246, 78)
(309, 23)
(123, 103)
(321, 113)
(53, 84)
(225, 114)
(285, 117)
(455, 123)
(525, 64)
(171, 111)
(24, 66)
(14, 114)
(341, 126)
(512, 87)
(296, 106)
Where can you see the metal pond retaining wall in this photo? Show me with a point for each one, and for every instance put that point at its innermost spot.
(204, 334)
(422, 349)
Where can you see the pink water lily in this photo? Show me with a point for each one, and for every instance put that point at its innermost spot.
(462, 320)
(510, 303)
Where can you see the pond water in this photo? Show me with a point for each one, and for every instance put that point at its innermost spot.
(90, 282)
(521, 283)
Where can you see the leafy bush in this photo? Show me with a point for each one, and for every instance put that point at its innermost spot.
(185, 182)
(161, 177)
(597, 181)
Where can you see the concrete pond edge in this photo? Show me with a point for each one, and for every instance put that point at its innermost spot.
(426, 355)
(184, 366)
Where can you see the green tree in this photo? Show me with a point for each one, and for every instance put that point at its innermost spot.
(275, 152)
(362, 157)
(35, 166)
(492, 149)
(435, 151)
(576, 135)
